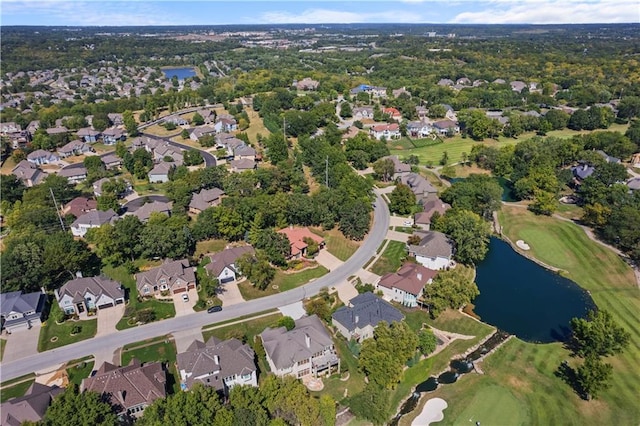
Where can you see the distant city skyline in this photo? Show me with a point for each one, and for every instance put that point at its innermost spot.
(147, 13)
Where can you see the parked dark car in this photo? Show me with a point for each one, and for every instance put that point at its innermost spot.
(214, 309)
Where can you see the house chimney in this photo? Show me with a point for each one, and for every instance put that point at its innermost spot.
(216, 358)
(307, 340)
(419, 276)
(79, 274)
(121, 395)
(357, 319)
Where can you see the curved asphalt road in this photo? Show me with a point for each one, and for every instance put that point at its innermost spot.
(55, 357)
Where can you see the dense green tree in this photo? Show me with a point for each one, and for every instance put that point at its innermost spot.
(286, 322)
(469, 232)
(354, 219)
(197, 119)
(193, 157)
(257, 270)
(598, 335)
(450, 289)
(371, 404)
(384, 169)
(345, 110)
(481, 194)
(73, 408)
(402, 200)
(11, 188)
(275, 245)
(593, 376)
(130, 123)
(427, 341)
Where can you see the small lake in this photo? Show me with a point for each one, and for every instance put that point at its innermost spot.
(181, 73)
(505, 184)
(522, 298)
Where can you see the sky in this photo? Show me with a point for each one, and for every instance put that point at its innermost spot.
(213, 12)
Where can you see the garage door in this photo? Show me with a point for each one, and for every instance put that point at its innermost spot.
(179, 290)
(106, 305)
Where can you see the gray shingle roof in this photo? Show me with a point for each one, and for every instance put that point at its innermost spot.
(30, 407)
(433, 244)
(144, 212)
(172, 270)
(203, 199)
(97, 218)
(96, 286)
(285, 348)
(226, 257)
(367, 309)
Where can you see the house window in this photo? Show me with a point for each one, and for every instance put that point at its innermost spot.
(146, 290)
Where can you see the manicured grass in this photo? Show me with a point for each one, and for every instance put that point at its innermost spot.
(158, 130)
(336, 387)
(526, 370)
(3, 343)
(406, 229)
(570, 211)
(7, 166)
(159, 349)
(15, 391)
(249, 328)
(79, 369)
(337, 244)
(256, 126)
(281, 282)
(391, 258)
(62, 333)
(162, 309)
(209, 246)
(495, 405)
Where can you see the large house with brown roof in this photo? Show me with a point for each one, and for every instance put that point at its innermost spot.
(223, 264)
(306, 350)
(130, 389)
(79, 206)
(204, 199)
(406, 285)
(296, 236)
(217, 364)
(89, 293)
(175, 276)
(430, 205)
(29, 173)
(434, 251)
(28, 408)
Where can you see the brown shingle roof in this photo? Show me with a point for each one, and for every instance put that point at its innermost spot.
(410, 278)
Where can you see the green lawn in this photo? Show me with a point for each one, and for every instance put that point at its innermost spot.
(79, 369)
(337, 244)
(248, 329)
(526, 370)
(495, 405)
(61, 334)
(282, 282)
(391, 258)
(209, 246)
(159, 349)
(162, 309)
(17, 390)
(336, 387)
(3, 343)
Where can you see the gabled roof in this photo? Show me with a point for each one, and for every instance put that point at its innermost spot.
(144, 212)
(433, 244)
(418, 184)
(214, 361)
(411, 278)
(96, 286)
(243, 164)
(161, 169)
(367, 310)
(393, 127)
(126, 387)
(74, 146)
(172, 270)
(296, 236)
(399, 167)
(96, 218)
(285, 348)
(430, 205)
(39, 153)
(17, 302)
(30, 407)
(203, 199)
(226, 258)
(26, 170)
(445, 124)
(73, 171)
(81, 205)
(583, 171)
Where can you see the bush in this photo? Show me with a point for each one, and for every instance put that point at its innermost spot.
(77, 329)
(145, 316)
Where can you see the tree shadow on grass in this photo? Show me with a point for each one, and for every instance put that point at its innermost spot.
(568, 375)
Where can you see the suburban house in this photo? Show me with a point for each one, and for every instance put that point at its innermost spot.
(518, 86)
(607, 157)
(223, 264)
(18, 310)
(217, 364)
(130, 389)
(160, 173)
(445, 127)
(244, 152)
(175, 276)
(387, 131)
(306, 84)
(419, 185)
(419, 129)
(93, 219)
(115, 118)
(306, 350)
(89, 294)
(28, 408)
(76, 147)
(582, 171)
(79, 206)
(40, 156)
(177, 120)
(406, 285)
(399, 168)
(144, 213)
(422, 112)
(74, 174)
(225, 125)
(434, 250)
(166, 150)
(204, 199)
(111, 161)
(363, 314)
(59, 130)
(199, 132)
(360, 113)
(393, 113)
(207, 115)
(430, 205)
(88, 135)
(10, 127)
(112, 135)
(296, 236)
(633, 184)
(242, 165)
(29, 173)
(635, 160)
(401, 91)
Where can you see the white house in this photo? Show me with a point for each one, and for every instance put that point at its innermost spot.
(434, 250)
(88, 294)
(160, 173)
(18, 310)
(74, 174)
(388, 131)
(40, 156)
(223, 264)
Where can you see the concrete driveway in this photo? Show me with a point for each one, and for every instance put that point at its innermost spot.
(398, 236)
(182, 307)
(108, 318)
(229, 294)
(21, 344)
(328, 260)
(184, 339)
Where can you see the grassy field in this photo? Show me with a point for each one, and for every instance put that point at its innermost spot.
(14, 391)
(456, 145)
(162, 309)
(158, 349)
(249, 329)
(7, 165)
(3, 343)
(209, 246)
(391, 258)
(281, 282)
(336, 387)
(526, 371)
(62, 333)
(256, 127)
(337, 244)
(159, 130)
(79, 369)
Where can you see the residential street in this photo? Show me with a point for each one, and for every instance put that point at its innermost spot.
(55, 357)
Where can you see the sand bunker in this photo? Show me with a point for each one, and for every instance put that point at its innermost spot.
(431, 413)
(522, 245)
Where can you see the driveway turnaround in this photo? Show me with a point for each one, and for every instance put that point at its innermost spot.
(185, 308)
(21, 344)
(229, 294)
(108, 318)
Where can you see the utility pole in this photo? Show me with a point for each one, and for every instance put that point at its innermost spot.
(326, 172)
(57, 211)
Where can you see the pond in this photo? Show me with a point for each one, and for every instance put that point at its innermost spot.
(181, 73)
(525, 299)
(505, 184)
